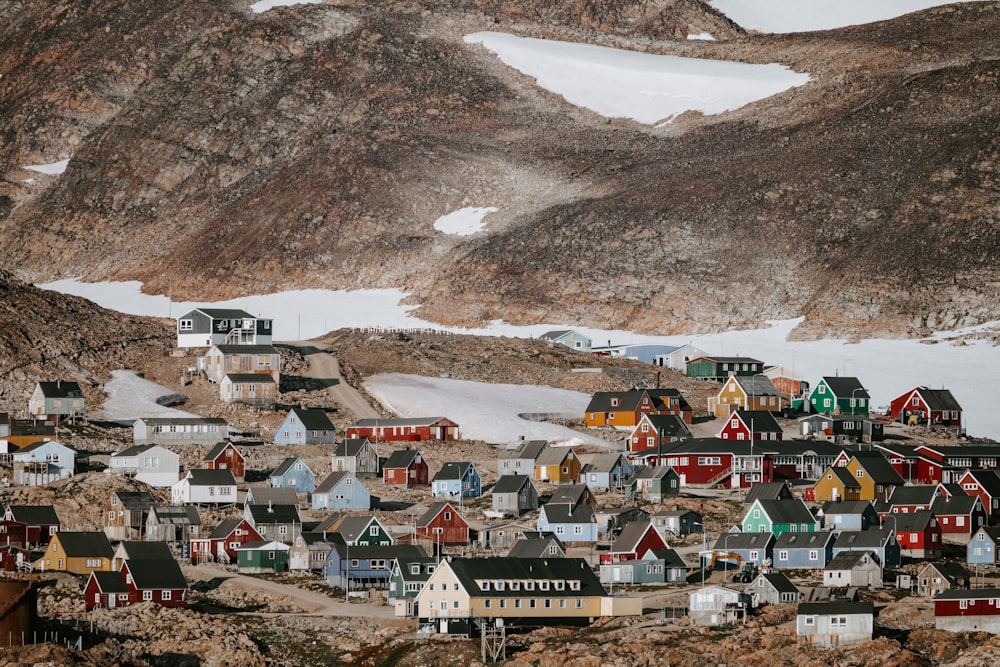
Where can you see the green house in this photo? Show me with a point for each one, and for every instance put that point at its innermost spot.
(720, 368)
(263, 557)
(779, 516)
(839, 396)
(364, 530)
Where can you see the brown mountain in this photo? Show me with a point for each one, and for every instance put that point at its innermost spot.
(315, 145)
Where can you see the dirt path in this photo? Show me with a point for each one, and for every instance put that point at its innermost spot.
(311, 602)
(324, 367)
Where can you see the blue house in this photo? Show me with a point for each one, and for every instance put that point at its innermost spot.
(803, 550)
(982, 548)
(42, 463)
(305, 426)
(880, 541)
(749, 547)
(341, 491)
(363, 567)
(609, 472)
(293, 473)
(848, 515)
(575, 526)
(457, 477)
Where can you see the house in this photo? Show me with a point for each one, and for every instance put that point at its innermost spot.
(443, 524)
(355, 455)
(837, 623)
(205, 487)
(225, 456)
(405, 467)
(42, 463)
(571, 339)
(982, 548)
(839, 395)
(753, 393)
(125, 514)
(222, 543)
(838, 484)
(513, 495)
(906, 499)
(612, 520)
(40, 522)
(880, 541)
(678, 359)
(676, 523)
(635, 539)
(293, 473)
(205, 327)
(13, 533)
(305, 426)
(342, 491)
(741, 548)
(959, 516)
(803, 550)
(173, 523)
(257, 389)
(26, 432)
(655, 433)
(56, 399)
(779, 516)
(934, 578)
(960, 610)
(404, 430)
(355, 530)
(772, 588)
(927, 407)
(647, 353)
(624, 409)
(719, 369)
(804, 459)
(14, 558)
(842, 429)
(573, 495)
(309, 551)
(159, 581)
(259, 359)
(179, 430)
(918, 533)
(716, 605)
(709, 462)
(263, 495)
(904, 460)
(521, 459)
(657, 566)
(848, 515)
(936, 465)
(500, 537)
(607, 472)
(457, 479)
(751, 425)
(557, 465)
(408, 576)
(789, 384)
(541, 591)
(76, 553)
(873, 477)
(986, 485)
(263, 557)
(362, 567)
(106, 590)
(768, 491)
(576, 525)
(861, 569)
(533, 544)
(274, 522)
(653, 484)
(150, 464)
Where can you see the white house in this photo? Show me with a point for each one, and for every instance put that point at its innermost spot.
(204, 327)
(836, 623)
(715, 605)
(201, 486)
(152, 464)
(41, 463)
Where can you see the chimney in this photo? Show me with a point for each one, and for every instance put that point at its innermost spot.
(269, 508)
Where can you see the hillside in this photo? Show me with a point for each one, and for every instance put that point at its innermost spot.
(225, 153)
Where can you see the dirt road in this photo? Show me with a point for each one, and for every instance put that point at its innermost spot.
(323, 366)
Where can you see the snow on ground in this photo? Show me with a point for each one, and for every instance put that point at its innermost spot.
(53, 168)
(627, 84)
(131, 397)
(705, 36)
(886, 367)
(781, 16)
(484, 411)
(264, 5)
(464, 221)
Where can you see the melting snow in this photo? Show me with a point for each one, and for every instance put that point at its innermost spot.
(464, 221)
(264, 5)
(781, 16)
(53, 168)
(131, 397)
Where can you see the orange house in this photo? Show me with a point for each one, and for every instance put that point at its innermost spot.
(624, 409)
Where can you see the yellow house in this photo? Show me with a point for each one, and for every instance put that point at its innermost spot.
(549, 591)
(77, 553)
(837, 484)
(557, 464)
(745, 392)
(877, 477)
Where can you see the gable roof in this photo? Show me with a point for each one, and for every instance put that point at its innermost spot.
(34, 515)
(786, 511)
(209, 477)
(401, 458)
(351, 446)
(471, 570)
(536, 545)
(273, 514)
(135, 500)
(529, 449)
(146, 550)
(571, 494)
(816, 540)
(434, 510)
(250, 378)
(176, 514)
(110, 582)
(511, 483)
(767, 491)
(953, 572)
(262, 495)
(840, 607)
(286, 465)
(633, 532)
(966, 594)
(988, 480)
(553, 456)
(845, 476)
(455, 470)
(778, 581)
(217, 449)
(939, 399)
(670, 426)
(873, 538)
(156, 574)
(920, 494)
(762, 421)
(60, 389)
(224, 313)
(567, 514)
(134, 450)
(353, 527)
(246, 349)
(382, 422)
(334, 479)
(846, 387)
(604, 462)
(42, 444)
(226, 528)
(314, 419)
(83, 544)
(848, 560)
(743, 541)
(878, 468)
(955, 505)
(756, 385)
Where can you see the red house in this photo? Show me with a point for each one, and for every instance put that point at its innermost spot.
(225, 456)
(40, 521)
(221, 545)
(986, 485)
(14, 533)
(918, 534)
(637, 538)
(404, 430)
(751, 425)
(930, 407)
(962, 610)
(443, 524)
(947, 464)
(709, 462)
(105, 590)
(655, 431)
(405, 467)
(159, 581)
(13, 558)
(960, 517)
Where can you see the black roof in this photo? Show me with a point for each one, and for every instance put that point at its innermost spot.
(844, 607)
(273, 514)
(314, 419)
(247, 349)
(35, 515)
(767, 491)
(920, 494)
(779, 582)
(83, 544)
(470, 571)
(156, 574)
(671, 426)
(846, 387)
(61, 389)
(873, 538)
(224, 313)
(511, 483)
(136, 500)
(743, 541)
(207, 477)
(955, 505)
(351, 446)
(939, 399)
(176, 514)
(878, 468)
(965, 594)
(453, 470)
(147, 550)
(401, 458)
(814, 540)
(762, 421)
(110, 582)
(225, 528)
(218, 448)
(286, 465)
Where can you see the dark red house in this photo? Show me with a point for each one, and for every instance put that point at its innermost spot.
(947, 464)
(962, 610)
(637, 538)
(918, 534)
(709, 462)
(986, 485)
(404, 430)
(751, 425)
(105, 590)
(225, 456)
(14, 533)
(443, 524)
(930, 407)
(12, 557)
(405, 467)
(159, 581)
(41, 522)
(960, 517)
(221, 545)
(657, 431)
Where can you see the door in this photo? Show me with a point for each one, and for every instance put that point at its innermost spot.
(111, 600)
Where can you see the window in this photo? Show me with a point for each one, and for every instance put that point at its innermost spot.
(756, 514)
(147, 595)
(810, 621)
(963, 604)
(562, 603)
(782, 555)
(517, 603)
(503, 603)
(185, 325)
(838, 621)
(578, 530)
(454, 604)
(813, 554)
(579, 603)
(860, 474)
(487, 603)
(531, 603)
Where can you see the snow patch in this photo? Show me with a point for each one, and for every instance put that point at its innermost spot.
(646, 88)
(132, 397)
(702, 36)
(53, 168)
(464, 221)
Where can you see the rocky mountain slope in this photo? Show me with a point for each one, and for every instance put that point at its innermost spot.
(314, 146)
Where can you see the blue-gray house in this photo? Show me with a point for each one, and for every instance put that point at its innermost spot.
(880, 541)
(848, 515)
(457, 477)
(363, 567)
(803, 550)
(750, 547)
(293, 473)
(608, 472)
(983, 547)
(342, 491)
(305, 426)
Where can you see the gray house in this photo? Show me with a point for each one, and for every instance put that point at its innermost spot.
(355, 455)
(521, 460)
(172, 523)
(653, 483)
(880, 541)
(772, 588)
(569, 338)
(179, 430)
(848, 515)
(204, 327)
(861, 569)
(534, 544)
(803, 550)
(736, 548)
(838, 623)
(513, 495)
(607, 472)
(657, 566)
(671, 524)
